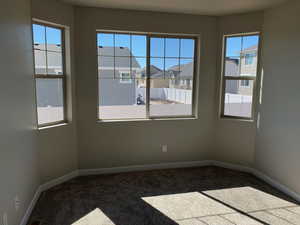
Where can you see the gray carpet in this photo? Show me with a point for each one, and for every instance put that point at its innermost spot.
(193, 196)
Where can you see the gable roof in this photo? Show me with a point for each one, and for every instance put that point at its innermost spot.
(122, 57)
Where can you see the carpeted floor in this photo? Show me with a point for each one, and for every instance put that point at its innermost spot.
(191, 196)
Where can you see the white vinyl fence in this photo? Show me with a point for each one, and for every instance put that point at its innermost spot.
(238, 105)
(168, 94)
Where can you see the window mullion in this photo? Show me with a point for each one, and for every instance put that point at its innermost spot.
(148, 78)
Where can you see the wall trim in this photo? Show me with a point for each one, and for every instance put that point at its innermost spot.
(85, 172)
(58, 180)
(123, 169)
(30, 208)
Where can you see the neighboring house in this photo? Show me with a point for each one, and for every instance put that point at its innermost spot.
(180, 77)
(115, 84)
(158, 78)
(247, 67)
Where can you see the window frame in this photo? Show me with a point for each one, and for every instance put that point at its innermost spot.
(125, 80)
(62, 77)
(148, 36)
(224, 78)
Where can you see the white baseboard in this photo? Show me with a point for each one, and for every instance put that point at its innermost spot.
(274, 183)
(85, 172)
(232, 166)
(42, 188)
(30, 208)
(59, 180)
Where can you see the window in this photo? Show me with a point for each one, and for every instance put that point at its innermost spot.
(145, 76)
(249, 58)
(245, 83)
(125, 78)
(239, 75)
(48, 46)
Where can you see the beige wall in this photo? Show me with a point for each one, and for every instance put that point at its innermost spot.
(135, 143)
(277, 145)
(18, 150)
(58, 145)
(234, 139)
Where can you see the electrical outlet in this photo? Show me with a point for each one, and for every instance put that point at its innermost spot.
(5, 220)
(164, 148)
(17, 203)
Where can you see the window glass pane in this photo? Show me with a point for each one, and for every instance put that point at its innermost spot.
(249, 56)
(172, 47)
(138, 69)
(187, 48)
(186, 69)
(170, 97)
(39, 38)
(40, 62)
(50, 106)
(105, 44)
(238, 98)
(157, 47)
(139, 45)
(157, 68)
(53, 37)
(233, 47)
(122, 65)
(172, 67)
(122, 100)
(54, 60)
(250, 42)
(232, 66)
(125, 78)
(122, 45)
(106, 66)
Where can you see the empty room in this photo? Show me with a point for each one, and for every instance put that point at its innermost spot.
(136, 112)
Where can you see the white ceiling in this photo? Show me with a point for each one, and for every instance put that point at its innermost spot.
(203, 7)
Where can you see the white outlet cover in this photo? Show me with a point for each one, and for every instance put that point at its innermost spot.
(17, 203)
(165, 148)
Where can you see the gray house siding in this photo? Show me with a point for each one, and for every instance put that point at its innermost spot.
(113, 92)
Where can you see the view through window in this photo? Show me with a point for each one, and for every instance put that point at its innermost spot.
(144, 76)
(240, 69)
(49, 73)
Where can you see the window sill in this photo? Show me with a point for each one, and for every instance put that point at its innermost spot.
(151, 119)
(236, 119)
(52, 126)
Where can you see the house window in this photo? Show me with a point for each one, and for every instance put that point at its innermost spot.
(125, 78)
(245, 83)
(249, 58)
(239, 75)
(142, 76)
(48, 46)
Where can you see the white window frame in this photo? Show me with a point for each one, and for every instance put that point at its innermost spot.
(126, 80)
(61, 76)
(224, 78)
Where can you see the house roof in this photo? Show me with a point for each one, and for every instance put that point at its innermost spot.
(186, 71)
(251, 48)
(54, 59)
(122, 57)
